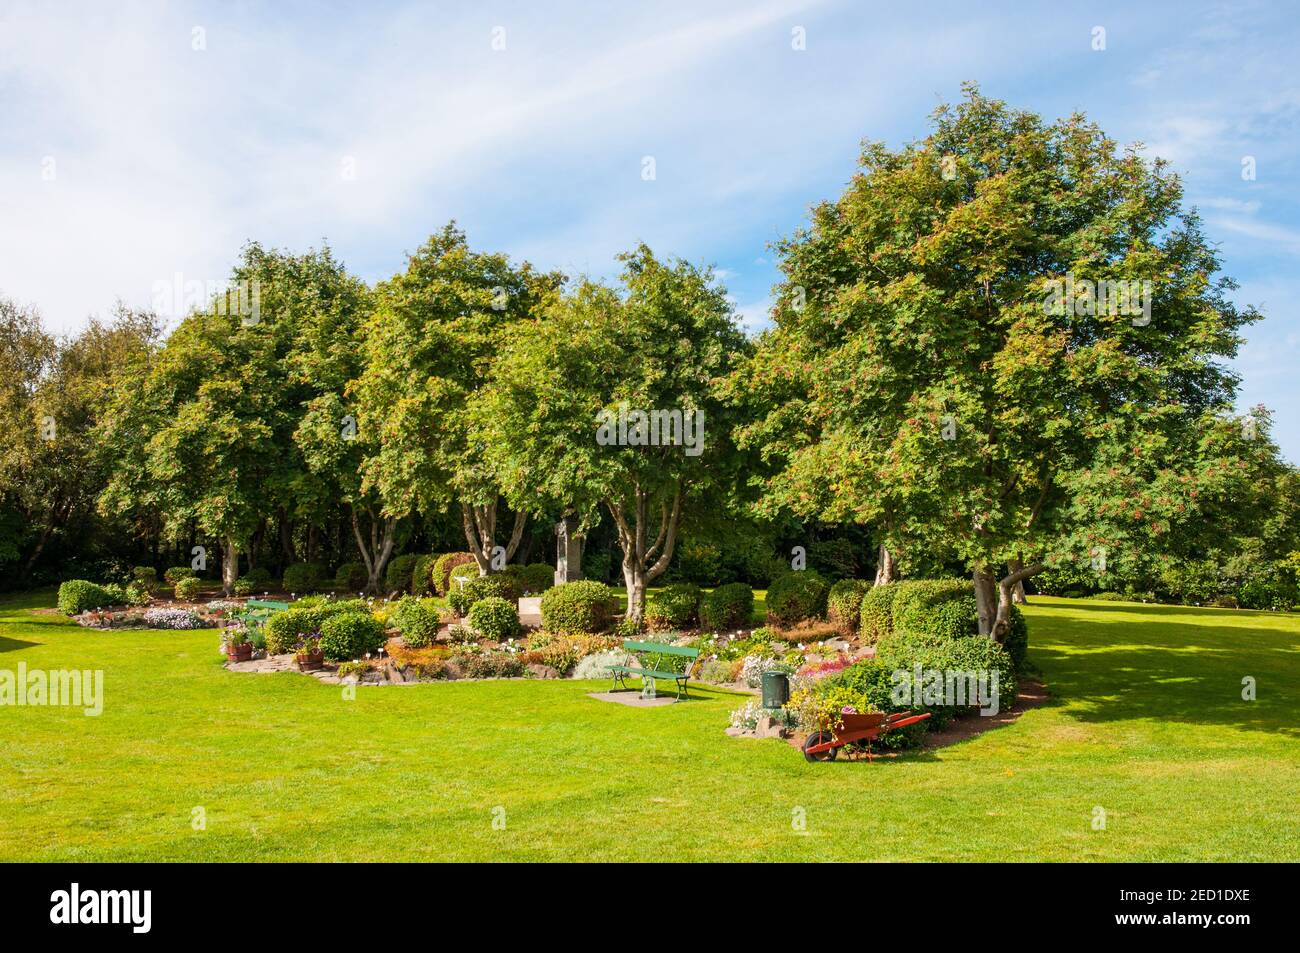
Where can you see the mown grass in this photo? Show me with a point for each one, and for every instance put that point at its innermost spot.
(1146, 721)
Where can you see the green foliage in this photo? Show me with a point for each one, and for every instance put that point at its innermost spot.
(304, 577)
(422, 574)
(77, 596)
(1002, 424)
(417, 620)
(146, 577)
(350, 635)
(727, 607)
(795, 597)
(666, 338)
(188, 588)
(844, 604)
(399, 575)
(494, 618)
(575, 607)
(500, 586)
(351, 577)
(176, 573)
(305, 618)
(245, 586)
(443, 566)
(534, 578)
(833, 558)
(673, 607)
(260, 577)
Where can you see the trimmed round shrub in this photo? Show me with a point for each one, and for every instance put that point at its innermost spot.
(77, 596)
(176, 573)
(844, 604)
(399, 573)
(535, 578)
(727, 607)
(422, 574)
(417, 622)
(146, 577)
(260, 577)
(303, 577)
(188, 588)
(582, 606)
(350, 635)
(877, 616)
(351, 577)
(245, 586)
(494, 618)
(463, 597)
(443, 566)
(674, 607)
(796, 597)
(305, 618)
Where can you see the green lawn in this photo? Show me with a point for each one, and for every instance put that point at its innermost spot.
(1147, 721)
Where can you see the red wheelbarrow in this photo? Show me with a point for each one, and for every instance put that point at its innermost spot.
(856, 730)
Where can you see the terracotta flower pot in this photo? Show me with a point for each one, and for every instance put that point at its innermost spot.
(239, 653)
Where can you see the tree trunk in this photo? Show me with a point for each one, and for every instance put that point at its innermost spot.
(634, 579)
(229, 566)
(885, 570)
(380, 548)
(986, 601)
(643, 564)
(1018, 590)
(479, 523)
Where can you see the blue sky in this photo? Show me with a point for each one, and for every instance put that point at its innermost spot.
(128, 156)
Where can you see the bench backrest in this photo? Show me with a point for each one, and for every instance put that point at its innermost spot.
(633, 646)
(265, 604)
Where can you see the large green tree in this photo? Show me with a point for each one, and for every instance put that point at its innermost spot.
(206, 436)
(943, 367)
(661, 345)
(429, 349)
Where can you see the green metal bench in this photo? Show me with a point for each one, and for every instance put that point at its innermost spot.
(658, 664)
(257, 611)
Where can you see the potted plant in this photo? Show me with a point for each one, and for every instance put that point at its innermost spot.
(239, 648)
(310, 655)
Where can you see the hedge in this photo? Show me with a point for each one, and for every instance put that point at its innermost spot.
(475, 588)
(303, 577)
(443, 566)
(188, 588)
(795, 597)
(727, 607)
(534, 578)
(422, 574)
(77, 596)
(674, 607)
(877, 617)
(582, 606)
(844, 604)
(352, 577)
(398, 574)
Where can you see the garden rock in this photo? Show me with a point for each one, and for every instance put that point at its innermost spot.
(537, 670)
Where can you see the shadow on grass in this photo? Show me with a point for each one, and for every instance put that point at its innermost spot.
(1108, 669)
(9, 645)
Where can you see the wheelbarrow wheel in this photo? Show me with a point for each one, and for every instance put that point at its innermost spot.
(817, 738)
